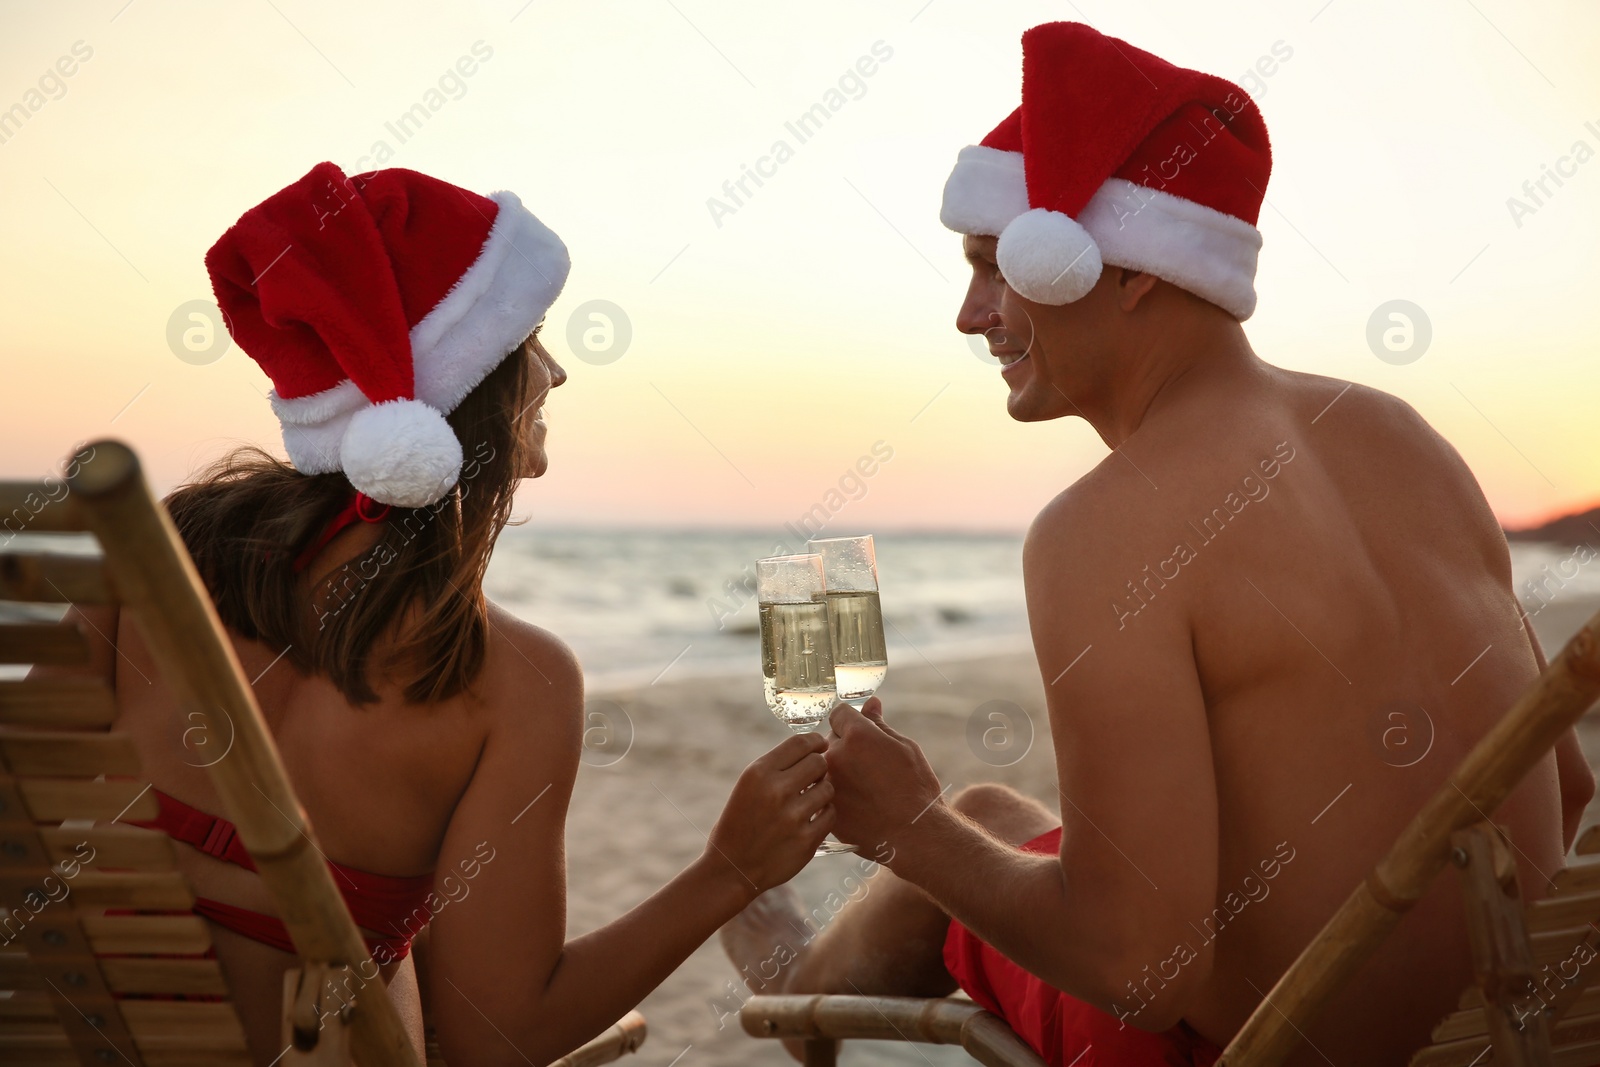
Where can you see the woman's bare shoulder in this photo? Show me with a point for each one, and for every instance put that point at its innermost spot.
(528, 667)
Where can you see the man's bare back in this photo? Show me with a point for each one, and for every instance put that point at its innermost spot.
(1354, 632)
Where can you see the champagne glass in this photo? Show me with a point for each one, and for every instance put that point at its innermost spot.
(796, 653)
(855, 617)
(796, 650)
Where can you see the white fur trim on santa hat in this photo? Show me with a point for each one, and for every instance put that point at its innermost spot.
(985, 191)
(494, 305)
(342, 399)
(315, 449)
(401, 452)
(313, 426)
(1197, 248)
(1047, 257)
(1211, 254)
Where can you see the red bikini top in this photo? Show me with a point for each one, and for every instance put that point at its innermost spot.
(376, 901)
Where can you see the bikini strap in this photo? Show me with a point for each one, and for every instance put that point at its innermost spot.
(360, 508)
(214, 836)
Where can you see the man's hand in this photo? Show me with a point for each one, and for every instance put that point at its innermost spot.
(883, 784)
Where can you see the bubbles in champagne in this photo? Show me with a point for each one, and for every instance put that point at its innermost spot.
(797, 663)
(861, 660)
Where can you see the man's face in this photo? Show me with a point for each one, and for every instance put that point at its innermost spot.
(1045, 351)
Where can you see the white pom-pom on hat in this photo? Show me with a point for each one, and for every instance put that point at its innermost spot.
(1048, 257)
(401, 452)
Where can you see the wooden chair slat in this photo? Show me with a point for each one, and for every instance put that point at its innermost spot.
(67, 755)
(1551, 948)
(111, 845)
(1559, 912)
(1469, 1022)
(23, 857)
(59, 799)
(183, 1026)
(50, 644)
(1583, 1030)
(163, 976)
(213, 1058)
(28, 1048)
(48, 1058)
(1577, 877)
(1585, 1055)
(178, 935)
(131, 889)
(1554, 946)
(54, 578)
(1588, 842)
(27, 1005)
(1468, 1052)
(16, 972)
(38, 507)
(56, 702)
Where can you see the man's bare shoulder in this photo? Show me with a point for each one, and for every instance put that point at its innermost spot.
(1345, 408)
(1093, 529)
(1085, 514)
(1375, 427)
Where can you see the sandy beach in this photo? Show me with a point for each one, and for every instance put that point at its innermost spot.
(636, 822)
(639, 819)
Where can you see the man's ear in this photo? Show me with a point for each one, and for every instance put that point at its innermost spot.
(1132, 285)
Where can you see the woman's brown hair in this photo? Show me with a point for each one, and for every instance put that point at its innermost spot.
(419, 591)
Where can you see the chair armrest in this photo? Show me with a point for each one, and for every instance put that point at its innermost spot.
(624, 1037)
(984, 1036)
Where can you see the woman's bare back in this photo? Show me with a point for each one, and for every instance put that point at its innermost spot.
(379, 782)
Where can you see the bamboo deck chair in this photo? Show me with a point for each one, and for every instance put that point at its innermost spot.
(821, 1020)
(79, 982)
(1532, 1003)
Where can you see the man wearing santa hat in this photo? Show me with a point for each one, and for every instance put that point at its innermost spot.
(1268, 624)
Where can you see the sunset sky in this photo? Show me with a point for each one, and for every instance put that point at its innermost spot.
(776, 343)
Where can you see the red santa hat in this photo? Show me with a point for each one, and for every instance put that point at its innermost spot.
(1117, 157)
(376, 304)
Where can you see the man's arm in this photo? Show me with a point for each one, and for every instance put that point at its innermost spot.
(1138, 857)
(1573, 773)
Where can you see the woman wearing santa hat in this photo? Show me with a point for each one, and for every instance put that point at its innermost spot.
(433, 737)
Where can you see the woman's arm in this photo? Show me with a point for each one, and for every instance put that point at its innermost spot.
(506, 985)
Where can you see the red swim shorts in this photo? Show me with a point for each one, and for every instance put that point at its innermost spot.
(1064, 1030)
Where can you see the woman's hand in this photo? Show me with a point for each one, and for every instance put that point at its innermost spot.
(780, 810)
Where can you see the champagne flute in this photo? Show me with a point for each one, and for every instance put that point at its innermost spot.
(855, 617)
(796, 650)
(796, 653)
